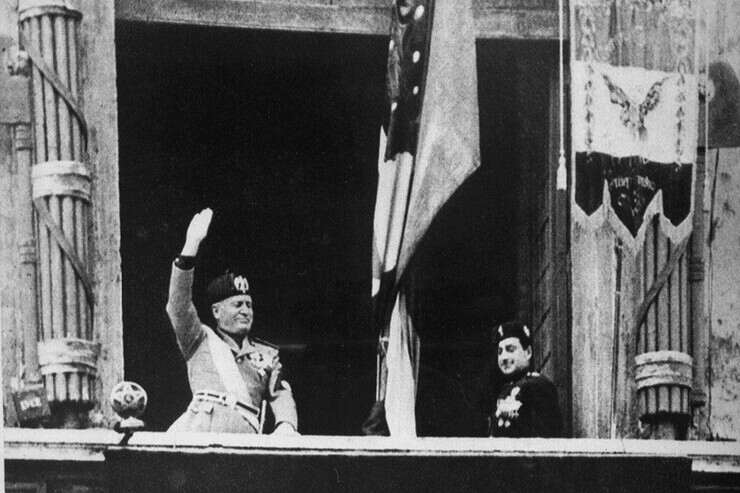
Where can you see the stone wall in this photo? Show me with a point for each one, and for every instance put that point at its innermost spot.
(722, 209)
(724, 299)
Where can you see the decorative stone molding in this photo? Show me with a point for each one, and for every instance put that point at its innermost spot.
(664, 380)
(61, 190)
(68, 355)
(663, 368)
(63, 178)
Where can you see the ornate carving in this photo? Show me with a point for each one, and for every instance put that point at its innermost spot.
(68, 355)
(17, 62)
(61, 187)
(23, 138)
(27, 251)
(663, 368)
(68, 178)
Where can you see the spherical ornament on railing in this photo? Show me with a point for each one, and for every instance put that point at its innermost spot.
(128, 400)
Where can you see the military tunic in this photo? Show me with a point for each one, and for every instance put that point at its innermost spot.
(255, 360)
(527, 407)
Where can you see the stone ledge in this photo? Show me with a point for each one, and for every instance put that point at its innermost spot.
(89, 445)
(520, 19)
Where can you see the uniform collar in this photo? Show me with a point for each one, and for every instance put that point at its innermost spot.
(247, 343)
(515, 377)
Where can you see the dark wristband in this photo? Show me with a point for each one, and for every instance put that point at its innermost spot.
(184, 262)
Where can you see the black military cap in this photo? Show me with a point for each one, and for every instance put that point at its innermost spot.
(513, 329)
(225, 286)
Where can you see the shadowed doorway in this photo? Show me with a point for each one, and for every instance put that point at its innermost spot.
(278, 133)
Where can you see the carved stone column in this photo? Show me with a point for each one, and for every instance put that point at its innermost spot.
(663, 370)
(664, 381)
(61, 197)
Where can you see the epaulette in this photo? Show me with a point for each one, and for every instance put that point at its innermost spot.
(265, 346)
(528, 378)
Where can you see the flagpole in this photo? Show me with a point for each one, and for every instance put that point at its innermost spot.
(561, 176)
(436, 146)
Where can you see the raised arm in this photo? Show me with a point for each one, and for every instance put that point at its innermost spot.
(197, 232)
(180, 308)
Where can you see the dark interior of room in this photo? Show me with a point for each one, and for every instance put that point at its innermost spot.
(278, 133)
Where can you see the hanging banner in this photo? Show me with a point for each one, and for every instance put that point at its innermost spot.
(634, 115)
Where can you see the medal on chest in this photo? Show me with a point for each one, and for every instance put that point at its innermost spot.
(259, 362)
(507, 409)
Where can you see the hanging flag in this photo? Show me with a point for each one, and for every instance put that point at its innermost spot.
(432, 146)
(635, 115)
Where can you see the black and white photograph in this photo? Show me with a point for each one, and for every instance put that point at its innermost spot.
(370, 245)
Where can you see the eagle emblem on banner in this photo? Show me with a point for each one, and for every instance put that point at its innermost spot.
(633, 112)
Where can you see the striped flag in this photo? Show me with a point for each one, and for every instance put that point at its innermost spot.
(431, 146)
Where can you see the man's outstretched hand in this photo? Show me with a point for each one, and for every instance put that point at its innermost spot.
(197, 231)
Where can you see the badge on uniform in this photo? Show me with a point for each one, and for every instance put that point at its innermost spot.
(241, 284)
(507, 410)
(258, 360)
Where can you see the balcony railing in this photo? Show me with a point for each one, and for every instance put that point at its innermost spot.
(51, 459)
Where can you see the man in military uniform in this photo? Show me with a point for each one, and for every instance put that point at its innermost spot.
(527, 404)
(230, 372)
